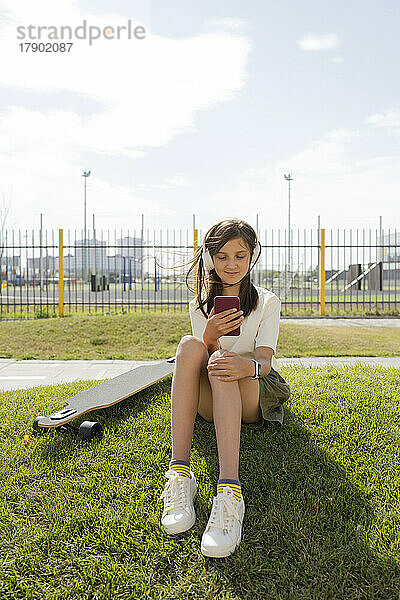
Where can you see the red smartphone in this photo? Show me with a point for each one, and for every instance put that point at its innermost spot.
(222, 303)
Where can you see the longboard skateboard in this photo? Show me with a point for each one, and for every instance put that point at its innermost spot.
(104, 395)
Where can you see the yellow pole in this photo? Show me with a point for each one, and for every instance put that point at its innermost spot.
(60, 274)
(322, 274)
(195, 248)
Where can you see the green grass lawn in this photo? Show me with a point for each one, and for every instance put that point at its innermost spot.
(82, 520)
(155, 335)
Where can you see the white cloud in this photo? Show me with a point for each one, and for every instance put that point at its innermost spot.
(322, 42)
(149, 91)
(329, 179)
(168, 183)
(238, 25)
(176, 181)
(388, 119)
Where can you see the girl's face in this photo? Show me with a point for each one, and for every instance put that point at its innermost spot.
(232, 261)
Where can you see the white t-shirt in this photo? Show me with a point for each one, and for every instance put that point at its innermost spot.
(259, 328)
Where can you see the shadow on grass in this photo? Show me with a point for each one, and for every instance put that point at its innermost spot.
(306, 524)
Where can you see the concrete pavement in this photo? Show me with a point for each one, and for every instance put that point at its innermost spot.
(23, 374)
(344, 321)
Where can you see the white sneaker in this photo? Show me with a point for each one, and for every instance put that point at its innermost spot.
(179, 492)
(224, 528)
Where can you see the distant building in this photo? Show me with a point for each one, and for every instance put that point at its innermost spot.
(49, 264)
(10, 262)
(128, 260)
(90, 256)
(390, 250)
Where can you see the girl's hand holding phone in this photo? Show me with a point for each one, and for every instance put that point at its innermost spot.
(219, 324)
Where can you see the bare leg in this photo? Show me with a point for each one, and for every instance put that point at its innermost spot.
(191, 355)
(227, 414)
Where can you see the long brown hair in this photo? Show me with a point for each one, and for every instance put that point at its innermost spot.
(215, 238)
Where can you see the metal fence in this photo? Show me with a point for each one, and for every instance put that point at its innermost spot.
(323, 271)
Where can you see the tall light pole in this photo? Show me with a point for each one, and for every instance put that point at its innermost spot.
(85, 174)
(41, 247)
(289, 178)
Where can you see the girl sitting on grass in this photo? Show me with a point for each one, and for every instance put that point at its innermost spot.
(217, 377)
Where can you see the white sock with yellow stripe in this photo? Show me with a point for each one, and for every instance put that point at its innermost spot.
(234, 484)
(182, 467)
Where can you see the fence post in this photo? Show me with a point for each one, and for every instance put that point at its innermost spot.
(195, 248)
(60, 274)
(322, 273)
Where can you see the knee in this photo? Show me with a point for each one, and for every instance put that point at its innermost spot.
(191, 346)
(216, 354)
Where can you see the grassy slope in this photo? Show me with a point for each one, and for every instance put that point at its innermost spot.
(142, 336)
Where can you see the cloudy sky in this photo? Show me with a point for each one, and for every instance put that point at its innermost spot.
(204, 116)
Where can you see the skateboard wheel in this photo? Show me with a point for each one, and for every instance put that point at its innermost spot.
(36, 426)
(89, 430)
